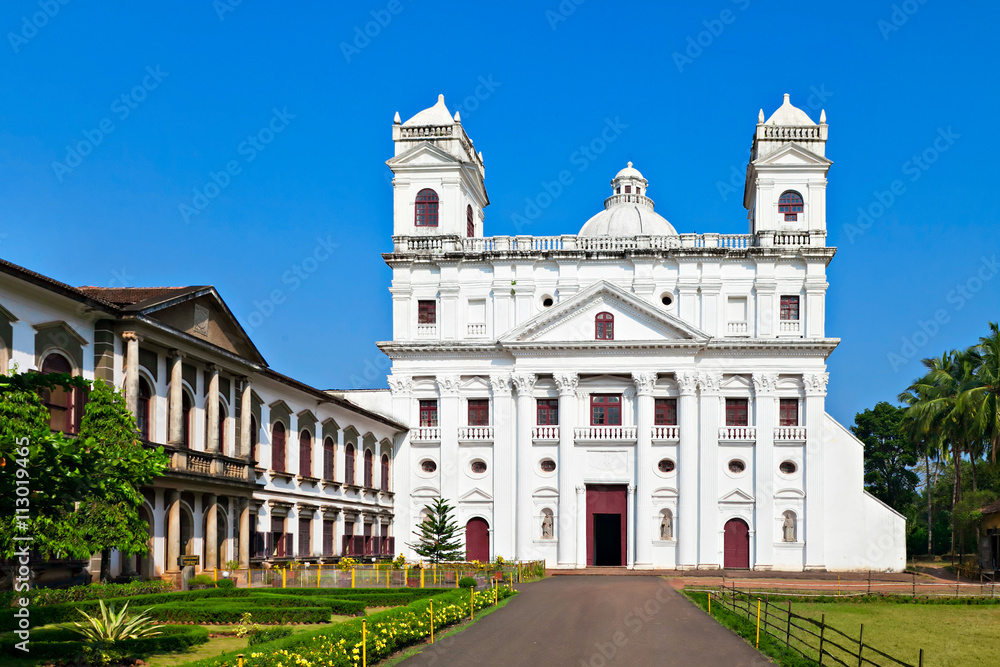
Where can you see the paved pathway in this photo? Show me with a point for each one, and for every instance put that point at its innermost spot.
(593, 621)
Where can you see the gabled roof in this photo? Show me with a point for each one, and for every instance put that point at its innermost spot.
(421, 149)
(794, 150)
(136, 297)
(52, 285)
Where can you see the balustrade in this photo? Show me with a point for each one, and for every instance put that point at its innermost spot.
(738, 433)
(666, 433)
(544, 432)
(475, 432)
(786, 433)
(788, 326)
(476, 329)
(604, 432)
(737, 329)
(425, 433)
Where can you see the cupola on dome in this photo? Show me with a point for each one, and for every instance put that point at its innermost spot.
(628, 211)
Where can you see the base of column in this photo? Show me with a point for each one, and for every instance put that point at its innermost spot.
(642, 566)
(687, 567)
(814, 568)
(709, 567)
(763, 568)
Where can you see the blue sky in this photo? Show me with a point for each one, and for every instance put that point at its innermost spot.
(534, 81)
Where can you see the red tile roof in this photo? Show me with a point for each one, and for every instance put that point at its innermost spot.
(128, 296)
(992, 508)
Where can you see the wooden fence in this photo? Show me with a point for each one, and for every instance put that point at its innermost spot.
(815, 640)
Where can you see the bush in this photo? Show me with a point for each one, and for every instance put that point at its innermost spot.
(262, 635)
(231, 611)
(60, 643)
(49, 596)
(467, 582)
(200, 581)
(226, 583)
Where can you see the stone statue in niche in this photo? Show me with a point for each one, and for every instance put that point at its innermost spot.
(788, 528)
(667, 527)
(546, 526)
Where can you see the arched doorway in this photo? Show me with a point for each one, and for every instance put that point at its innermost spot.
(736, 552)
(477, 540)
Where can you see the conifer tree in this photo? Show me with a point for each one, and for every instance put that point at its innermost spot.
(437, 539)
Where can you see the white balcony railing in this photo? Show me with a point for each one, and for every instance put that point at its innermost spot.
(788, 327)
(476, 329)
(604, 433)
(545, 433)
(737, 329)
(475, 432)
(787, 433)
(425, 433)
(737, 433)
(427, 330)
(666, 433)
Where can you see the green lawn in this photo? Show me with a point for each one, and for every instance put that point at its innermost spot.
(950, 634)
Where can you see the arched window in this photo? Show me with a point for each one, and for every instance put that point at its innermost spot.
(254, 439)
(604, 326)
(65, 407)
(385, 472)
(470, 224)
(349, 464)
(223, 413)
(187, 406)
(329, 459)
(278, 447)
(790, 203)
(369, 472)
(305, 454)
(142, 409)
(426, 211)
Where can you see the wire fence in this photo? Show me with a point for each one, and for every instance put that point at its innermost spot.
(912, 587)
(386, 575)
(813, 639)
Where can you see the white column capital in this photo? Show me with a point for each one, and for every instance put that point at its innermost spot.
(448, 384)
(644, 382)
(581, 489)
(709, 383)
(500, 384)
(815, 383)
(567, 383)
(687, 382)
(131, 336)
(764, 383)
(400, 385)
(524, 383)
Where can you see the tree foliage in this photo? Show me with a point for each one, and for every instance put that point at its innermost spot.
(890, 454)
(437, 535)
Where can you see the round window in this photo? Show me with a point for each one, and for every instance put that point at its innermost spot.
(547, 301)
(666, 299)
(428, 466)
(478, 467)
(547, 465)
(665, 466)
(737, 467)
(788, 467)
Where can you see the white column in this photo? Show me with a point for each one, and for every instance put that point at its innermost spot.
(245, 534)
(525, 384)
(132, 372)
(449, 421)
(176, 434)
(159, 527)
(709, 547)
(812, 524)
(212, 407)
(198, 514)
(244, 448)
(401, 465)
(568, 550)
(642, 517)
(630, 533)
(764, 409)
(687, 510)
(504, 466)
(581, 527)
(212, 533)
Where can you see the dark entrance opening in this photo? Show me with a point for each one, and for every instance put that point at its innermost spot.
(607, 539)
(736, 552)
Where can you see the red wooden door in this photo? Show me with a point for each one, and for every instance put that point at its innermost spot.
(736, 552)
(606, 499)
(477, 540)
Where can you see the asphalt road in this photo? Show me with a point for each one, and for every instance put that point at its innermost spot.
(593, 621)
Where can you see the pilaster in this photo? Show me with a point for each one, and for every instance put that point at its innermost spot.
(815, 468)
(504, 465)
(709, 547)
(524, 383)
(568, 551)
(687, 510)
(764, 385)
(643, 553)
(449, 421)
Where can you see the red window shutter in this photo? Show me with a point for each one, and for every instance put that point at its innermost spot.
(737, 412)
(790, 203)
(426, 312)
(605, 410)
(789, 308)
(305, 454)
(368, 469)
(665, 412)
(788, 412)
(329, 463)
(349, 464)
(479, 412)
(385, 472)
(428, 413)
(548, 412)
(278, 447)
(604, 326)
(470, 223)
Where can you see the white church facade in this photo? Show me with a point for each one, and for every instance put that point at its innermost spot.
(627, 395)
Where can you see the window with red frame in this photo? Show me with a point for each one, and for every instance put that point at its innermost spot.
(790, 203)
(604, 326)
(479, 412)
(254, 438)
(789, 308)
(788, 412)
(548, 411)
(665, 412)
(470, 224)
(349, 464)
(278, 447)
(305, 454)
(737, 412)
(329, 459)
(429, 412)
(426, 210)
(369, 469)
(605, 410)
(628, 189)
(65, 406)
(385, 473)
(142, 409)
(426, 312)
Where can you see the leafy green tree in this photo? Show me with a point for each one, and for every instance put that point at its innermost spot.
(437, 536)
(889, 455)
(982, 399)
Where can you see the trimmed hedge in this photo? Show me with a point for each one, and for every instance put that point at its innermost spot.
(63, 643)
(49, 596)
(226, 611)
(267, 635)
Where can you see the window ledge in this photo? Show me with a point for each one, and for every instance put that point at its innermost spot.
(283, 475)
(308, 479)
(329, 483)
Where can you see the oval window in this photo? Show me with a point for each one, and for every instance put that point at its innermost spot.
(666, 299)
(547, 301)
(665, 466)
(428, 466)
(737, 467)
(788, 467)
(547, 465)
(478, 467)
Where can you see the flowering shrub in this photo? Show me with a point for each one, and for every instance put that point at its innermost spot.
(346, 564)
(388, 632)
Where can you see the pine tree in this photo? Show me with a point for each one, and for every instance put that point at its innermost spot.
(437, 535)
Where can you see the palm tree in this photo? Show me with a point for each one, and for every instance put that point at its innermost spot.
(934, 449)
(982, 399)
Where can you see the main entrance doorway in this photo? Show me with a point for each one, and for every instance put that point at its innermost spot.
(477, 540)
(736, 553)
(607, 507)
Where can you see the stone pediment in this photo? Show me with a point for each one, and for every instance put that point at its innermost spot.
(476, 496)
(793, 155)
(635, 320)
(736, 496)
(423, 154)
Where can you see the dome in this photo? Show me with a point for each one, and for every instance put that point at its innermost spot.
(789, 115)
(628, 211)
(435, 115)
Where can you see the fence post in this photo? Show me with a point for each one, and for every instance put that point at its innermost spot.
(710, 603)
(352, 577)
(921, 663)
(284, 572)
(364, 643)
(472, 603)
(239, 657)
(319, 572)
(914, 585)
(432, 621)
(421, 577)
(822, 627)
(869, 582)
(861, 645)
(788, 630)
(767, 601)
(758, 623)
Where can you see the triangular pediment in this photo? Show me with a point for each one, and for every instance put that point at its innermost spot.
(635, 320)
(736, 496)
(793, 155)
(423, 154)
(476, 496)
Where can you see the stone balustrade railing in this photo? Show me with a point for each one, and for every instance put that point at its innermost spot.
(789, 433)
(214, 464)
(425, 433)
(738, 433)
(666, 433)
(475, 432)
(737, 329)
(604, 433)
(544, 432)
(789, 327)
(476, 329)
(790, 132)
